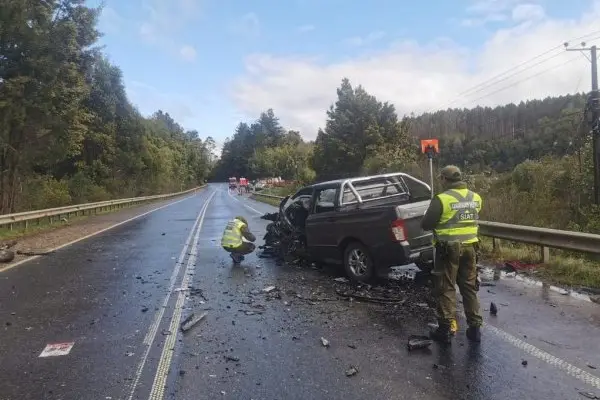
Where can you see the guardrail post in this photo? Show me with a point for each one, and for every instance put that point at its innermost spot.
(545, 254)
(495, 244)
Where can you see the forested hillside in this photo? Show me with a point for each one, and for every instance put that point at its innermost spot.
(68, 132)
(531, 161)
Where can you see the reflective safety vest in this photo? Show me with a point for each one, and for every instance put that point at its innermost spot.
(232, 236)
(460, 212)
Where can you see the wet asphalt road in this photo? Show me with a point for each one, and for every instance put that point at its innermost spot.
(115, 296)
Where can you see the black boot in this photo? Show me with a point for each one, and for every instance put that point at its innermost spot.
(474, 333)
(442, 334)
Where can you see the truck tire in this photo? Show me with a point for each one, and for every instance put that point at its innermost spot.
(358, 262)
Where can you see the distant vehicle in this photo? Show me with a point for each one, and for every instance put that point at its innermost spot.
(368, 224)
(232, 183)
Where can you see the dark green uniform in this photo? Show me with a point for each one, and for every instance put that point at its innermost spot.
(452, 216)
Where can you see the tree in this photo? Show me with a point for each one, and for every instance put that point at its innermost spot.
(361, 135)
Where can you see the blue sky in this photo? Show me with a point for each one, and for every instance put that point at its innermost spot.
(212, 64)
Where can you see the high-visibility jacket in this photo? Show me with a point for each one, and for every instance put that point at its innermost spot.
(460, 212)
(232, 236)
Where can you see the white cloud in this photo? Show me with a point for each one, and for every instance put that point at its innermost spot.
(364, 40)
(485, 11)
(306, 28)
(163, 21)
(247, 26)
(527, 12)
(188, 53)
(422, 77)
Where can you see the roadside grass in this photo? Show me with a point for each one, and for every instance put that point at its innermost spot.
(564, 268)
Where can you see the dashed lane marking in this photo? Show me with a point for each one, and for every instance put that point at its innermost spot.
(62, 246)
(244, 204)
(153, 329)
(164, 363)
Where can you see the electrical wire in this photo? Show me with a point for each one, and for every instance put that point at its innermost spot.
(523, 80)
(527, 62)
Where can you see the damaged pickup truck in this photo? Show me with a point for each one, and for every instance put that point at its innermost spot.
(368, 224)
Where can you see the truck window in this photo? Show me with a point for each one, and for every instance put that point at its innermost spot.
(417, 190)
(325, 200)
(374, 188)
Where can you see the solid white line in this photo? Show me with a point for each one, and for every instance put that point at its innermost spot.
(153, 329)
(245, 205)
(568, 368)
(164, 363)
(62, 246)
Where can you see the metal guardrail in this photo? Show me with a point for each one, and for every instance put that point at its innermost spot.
(50, 213)
(544, 237)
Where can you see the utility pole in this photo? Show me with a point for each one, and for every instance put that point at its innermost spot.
(594, 107)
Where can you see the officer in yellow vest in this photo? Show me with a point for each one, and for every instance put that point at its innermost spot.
(233, 239)
(452, 216)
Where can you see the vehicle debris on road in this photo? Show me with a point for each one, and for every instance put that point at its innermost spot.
(191, 321)
(351, 371)
(324, 342)
(418, 342)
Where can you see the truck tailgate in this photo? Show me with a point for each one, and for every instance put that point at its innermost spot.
(412, 214)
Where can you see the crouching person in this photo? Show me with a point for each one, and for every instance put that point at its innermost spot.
(233, 239)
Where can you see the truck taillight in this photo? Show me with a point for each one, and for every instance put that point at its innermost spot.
(398, 230)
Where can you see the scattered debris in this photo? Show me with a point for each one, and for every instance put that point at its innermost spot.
(341, 280)
(8, 244)
(196, 292)
(144, 309)
(524, 363)
(418, 342)
(232, 358)
(129, 354)
(324, 342)
(7, 256)
(493, 309)
(437, 366)
(590, 366)
(57, 349)
(31, 253)
(351, 371)
(191, 321)
(589, 395)
(352, 346)
(269, 289)
(181, 372)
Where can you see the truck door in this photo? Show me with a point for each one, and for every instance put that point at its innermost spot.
(321, 227)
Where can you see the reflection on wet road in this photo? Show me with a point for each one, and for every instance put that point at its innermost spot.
(120, 297)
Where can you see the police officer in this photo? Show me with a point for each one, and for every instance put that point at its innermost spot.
(233, 239)
(452, 216)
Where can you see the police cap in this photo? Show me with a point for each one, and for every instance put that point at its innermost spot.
(451, 173)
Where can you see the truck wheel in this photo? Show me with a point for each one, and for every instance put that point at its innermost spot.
(358, 262)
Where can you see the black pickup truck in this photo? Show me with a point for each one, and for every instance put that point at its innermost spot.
(368, 224)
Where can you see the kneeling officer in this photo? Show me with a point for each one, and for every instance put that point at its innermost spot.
(233, 239)
(452, 216)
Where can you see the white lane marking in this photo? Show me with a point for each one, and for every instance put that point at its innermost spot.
(568, 368)
(164, 363)
(57, 349)
(62, 246)
(153, 329)
(245, 205)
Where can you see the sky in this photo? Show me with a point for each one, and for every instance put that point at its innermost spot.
(212, 64)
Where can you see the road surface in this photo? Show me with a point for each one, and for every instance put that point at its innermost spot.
(113, 300)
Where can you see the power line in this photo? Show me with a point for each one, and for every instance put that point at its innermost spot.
(523, 80)
(526, 62)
